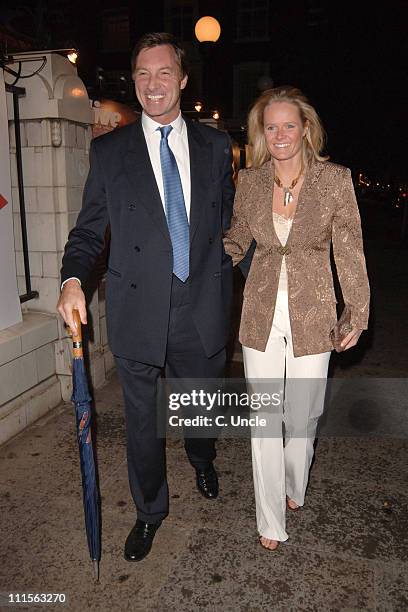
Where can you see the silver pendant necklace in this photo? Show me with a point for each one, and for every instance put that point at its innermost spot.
(287, 194)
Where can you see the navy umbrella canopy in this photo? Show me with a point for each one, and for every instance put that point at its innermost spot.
(83, 410)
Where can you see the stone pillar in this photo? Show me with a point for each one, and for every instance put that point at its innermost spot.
(55, 120)
(10, 310)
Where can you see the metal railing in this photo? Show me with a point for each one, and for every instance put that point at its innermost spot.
(16, 93)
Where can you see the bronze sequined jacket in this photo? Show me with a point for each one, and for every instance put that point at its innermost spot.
(326, 213)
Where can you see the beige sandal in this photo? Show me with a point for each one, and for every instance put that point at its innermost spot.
(275, 546)
(294, 505)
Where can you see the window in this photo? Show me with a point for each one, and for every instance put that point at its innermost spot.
(253, 20)
(115, 30)
(116, 84)
(317, 14)
(247, 78)
(181, 20)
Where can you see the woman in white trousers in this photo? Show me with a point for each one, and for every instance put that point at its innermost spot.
(295, 204)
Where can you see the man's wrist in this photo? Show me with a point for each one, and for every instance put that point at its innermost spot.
(68, 279)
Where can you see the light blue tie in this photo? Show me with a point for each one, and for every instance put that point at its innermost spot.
(175, 208)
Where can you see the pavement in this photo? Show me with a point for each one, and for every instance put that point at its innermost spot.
(347, 547)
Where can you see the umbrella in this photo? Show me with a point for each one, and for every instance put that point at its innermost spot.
(82, 400)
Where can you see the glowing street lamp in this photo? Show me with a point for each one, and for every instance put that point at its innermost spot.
(207, 29)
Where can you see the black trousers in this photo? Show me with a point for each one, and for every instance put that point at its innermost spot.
(146, 451)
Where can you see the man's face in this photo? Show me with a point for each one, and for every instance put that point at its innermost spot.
(158, 83)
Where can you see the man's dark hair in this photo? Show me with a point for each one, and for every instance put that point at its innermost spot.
(155, 39)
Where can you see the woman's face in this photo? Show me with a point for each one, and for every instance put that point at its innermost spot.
(283, 130)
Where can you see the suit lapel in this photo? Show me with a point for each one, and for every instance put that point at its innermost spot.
(140, 174)
(200, 174)
(306, 204)
(264, 196)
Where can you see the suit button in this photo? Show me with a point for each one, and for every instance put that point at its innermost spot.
(210, 240)
(213, 204)
(137, 249)
(133, 285)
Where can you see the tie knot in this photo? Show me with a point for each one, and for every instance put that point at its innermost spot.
(165, 130)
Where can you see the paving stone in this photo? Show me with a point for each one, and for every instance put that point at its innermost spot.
(240, 575)
(347, 548)
(353, 519)
(391, 588)
(372, 460)
(53, 557)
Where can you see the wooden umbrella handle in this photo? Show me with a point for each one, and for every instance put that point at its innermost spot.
(77, 337)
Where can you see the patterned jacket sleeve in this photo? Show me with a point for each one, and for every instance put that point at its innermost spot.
(239, 237)
(228, 189)
(349, 254)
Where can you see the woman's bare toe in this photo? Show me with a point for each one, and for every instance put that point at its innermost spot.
(292, 505)
(269, 544)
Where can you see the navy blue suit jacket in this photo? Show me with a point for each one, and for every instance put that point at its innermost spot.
(121, 191)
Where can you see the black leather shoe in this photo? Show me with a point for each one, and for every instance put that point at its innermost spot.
(140, 540)
(207, 482)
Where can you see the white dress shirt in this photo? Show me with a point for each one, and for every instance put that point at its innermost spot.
(178, 143)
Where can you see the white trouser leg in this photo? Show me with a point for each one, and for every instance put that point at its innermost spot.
(304, 402)
(267, 452)
(282, 471)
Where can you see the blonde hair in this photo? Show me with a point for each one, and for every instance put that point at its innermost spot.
(314, 139)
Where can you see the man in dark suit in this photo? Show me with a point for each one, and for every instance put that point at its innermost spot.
(164, 185)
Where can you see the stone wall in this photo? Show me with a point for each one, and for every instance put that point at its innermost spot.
(35, 355)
